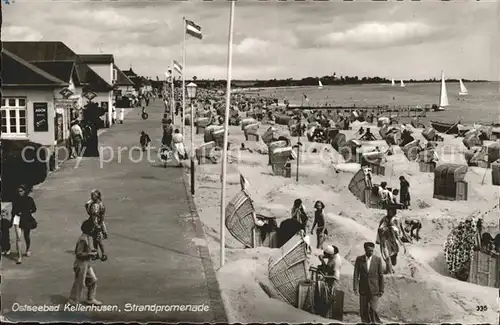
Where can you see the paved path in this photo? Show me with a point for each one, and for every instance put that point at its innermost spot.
(156, 248)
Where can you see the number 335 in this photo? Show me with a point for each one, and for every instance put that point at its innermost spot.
(482, 308)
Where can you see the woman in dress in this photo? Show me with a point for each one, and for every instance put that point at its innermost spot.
(389, 236)
(23, 207)
(96, 211)
(404, 192)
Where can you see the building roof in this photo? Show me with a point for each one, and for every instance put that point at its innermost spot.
(97, 58)
(64, 70)
(121, 78)
(130, 73)
(94, 81)
(40, 50)
(17, 72)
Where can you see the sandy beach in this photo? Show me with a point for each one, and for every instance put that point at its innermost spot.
(421, 282)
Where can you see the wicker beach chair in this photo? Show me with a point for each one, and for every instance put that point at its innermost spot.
(250, 131)
(241, 224)
(274, 145)
(269, 135)
(289, 267)
(247, 121)
(201, 123)
(279, 160)
(218, 137)
(206, 153)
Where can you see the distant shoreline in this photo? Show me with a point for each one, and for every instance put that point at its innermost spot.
(251, 88)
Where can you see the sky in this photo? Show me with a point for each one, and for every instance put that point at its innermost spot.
(400, 40)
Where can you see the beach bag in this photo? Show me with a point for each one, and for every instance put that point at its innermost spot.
(32, 223)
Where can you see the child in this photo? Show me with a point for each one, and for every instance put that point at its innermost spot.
(84, 273)
(5, 233)
(96, 211)
(319, 220)
(145, 140)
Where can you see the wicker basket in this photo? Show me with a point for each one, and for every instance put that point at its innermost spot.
(239, 219)
(289, 267)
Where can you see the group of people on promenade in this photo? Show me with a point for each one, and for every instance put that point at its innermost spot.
(88, 247)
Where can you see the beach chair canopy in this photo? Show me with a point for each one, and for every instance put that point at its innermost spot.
(450, 173)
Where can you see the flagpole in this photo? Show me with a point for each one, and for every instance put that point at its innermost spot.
(172, 106)
(183, 113)
(226, 129)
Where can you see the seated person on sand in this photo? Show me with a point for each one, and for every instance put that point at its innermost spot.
(383, 193)
(266, 225)
(389, 234)
(319, 220)
(327, 281)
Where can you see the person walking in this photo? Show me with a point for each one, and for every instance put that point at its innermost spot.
(168, 130)
(178, 147)
(96, 211)
(389, 237)
(404, 192)
(368, 284)
(84, 273)
(23, 207)
(122, 115)
(144, 140)
(76, 139)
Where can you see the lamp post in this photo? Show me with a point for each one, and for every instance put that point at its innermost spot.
(191, 91)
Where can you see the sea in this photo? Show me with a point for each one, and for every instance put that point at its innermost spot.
(481, 105)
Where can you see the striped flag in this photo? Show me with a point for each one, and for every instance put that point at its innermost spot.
(177, 67)
(244, 182)
(193, 29)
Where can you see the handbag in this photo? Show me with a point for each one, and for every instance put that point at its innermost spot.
(33, 223)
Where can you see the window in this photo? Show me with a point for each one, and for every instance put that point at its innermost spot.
(14, 116)
(115, 75)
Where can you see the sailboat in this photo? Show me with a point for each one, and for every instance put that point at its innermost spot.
(402, 84)
(320, 85)
(463, 90)
(393, 82)
(443, 97)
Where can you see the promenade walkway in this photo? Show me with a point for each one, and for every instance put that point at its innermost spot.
(156, 248)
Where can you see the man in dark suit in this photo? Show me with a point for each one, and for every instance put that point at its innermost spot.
(369, 283)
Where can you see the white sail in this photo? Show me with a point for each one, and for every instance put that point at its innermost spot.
(443, 98)
(463, 90)
(402, 84)
(393, 82)
(320, 85)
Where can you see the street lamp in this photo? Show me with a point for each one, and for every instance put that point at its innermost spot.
(191, 91)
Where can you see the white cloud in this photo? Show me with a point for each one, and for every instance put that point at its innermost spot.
(253, 45)
(376, 33)
(21, 33)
